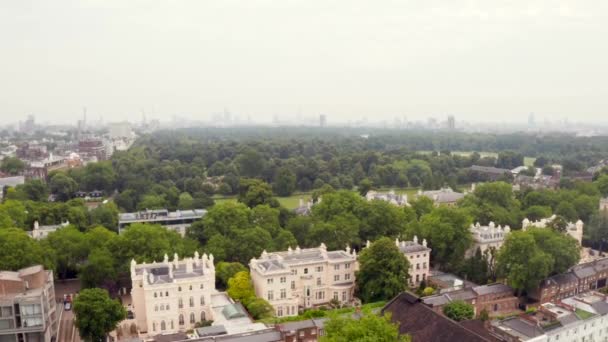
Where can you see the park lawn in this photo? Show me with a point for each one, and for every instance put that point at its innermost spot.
(289, 202)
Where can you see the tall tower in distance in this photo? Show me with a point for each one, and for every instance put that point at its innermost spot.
(451, 122)
(531, 120)
(322, 120)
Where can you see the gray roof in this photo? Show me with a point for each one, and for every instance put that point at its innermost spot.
(492, 288)
(563, 278)
(443, 195)
(600, 307)
(489, 169)
(522, 327)
(159, 274)
(583, 271)
(412, 247)
(11, 181)
(213, 330)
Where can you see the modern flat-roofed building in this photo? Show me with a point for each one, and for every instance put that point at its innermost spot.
(178, 221)
(27, 305)
(171, 296)
(304, 278)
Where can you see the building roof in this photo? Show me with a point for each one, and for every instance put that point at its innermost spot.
(160, 215)
(444, 195)
(423, 324)
(281, 261)
(489, 169)
(11, 181)
(492, 288)
(412, 247)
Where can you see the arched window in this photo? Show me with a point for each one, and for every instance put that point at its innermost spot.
(153, 326)
(202, 300)
(192, 318)
(172, 325)
(162, 307)
(180, 303)
(162, 325)
(160, 293)
(191, 301)
(166, 293)
(203, 316)
(202, 286)
(179, 288)
(155, 307)
(181, 319)
(155, 295)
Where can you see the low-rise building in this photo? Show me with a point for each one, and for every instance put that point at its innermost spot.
(573, 229)
(171, 296)
(486, 237)
(10, 182)
(304, 278)
(443, 196)
(574, 319)
(177, 221)
(391, 197)
(40, 232)
(419, 256)
(302, 331)
(27, 305)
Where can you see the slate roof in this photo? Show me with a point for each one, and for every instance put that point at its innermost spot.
(412, 247)
(492, 288)
(423, 324)
(489, 169)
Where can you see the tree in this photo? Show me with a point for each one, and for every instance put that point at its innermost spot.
(458, 310)
(12, 165)
(35, 190)
(63, 186)
(99, 269)
(253, 192)
(105, 215)
(364, 187)
(422, 205)
(250, 163)
(567, 211)
(99, 176)
(152, 201)
(522, 262)
(97, 314)
(447, 231)
(285, 182)
(70, 247)
(537, 212)
(558, 224)
(369, 327)
(186, 201)
(381, 218)
(259, 308)
(383, 271)
(240, 287)
(563, 249)
(602, 184)
(18, 250)
(226, 270)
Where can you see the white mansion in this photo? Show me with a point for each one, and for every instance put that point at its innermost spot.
(171, 296)
(573, 229)
(488, 236)
(419, 256)
(304, 278)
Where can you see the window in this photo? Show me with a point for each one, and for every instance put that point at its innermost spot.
(162, 325)
(6, 311)
(192, 318)
(270, 295)
(337, 277)
(160, 293)
(417, 266)
(336, 295)
(306, 271)
(495, 307)
(319, 268)
(181, 319)
(179, 289)
(424, 265)
(417, 277)
(153, 326)
(166, 293)
(155, 307)
(190, 287)
(203, 316)
(269, 281)
(202, 286)
(280, 311)
(155, 295)
(172, 325)
(191, 301)
(283, 294)
(293, 285)
(283, 280)
(167, 307)
(202, 300)
(347, 265)
(180, 303)
(347, 276)
(344, 296)
(162, 307)
(294, 271)
(318, 281)
(336, 267)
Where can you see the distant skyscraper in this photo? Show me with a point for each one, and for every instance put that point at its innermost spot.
(531, 120)
(451, 122)
(322, 120)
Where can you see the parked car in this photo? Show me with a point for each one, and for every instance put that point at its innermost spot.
(67, 306)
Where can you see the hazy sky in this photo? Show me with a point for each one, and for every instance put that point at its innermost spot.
(480, 60)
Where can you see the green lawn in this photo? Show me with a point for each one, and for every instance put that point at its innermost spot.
(290, 202)
(584, 314)
(528, 161)
(318, 313)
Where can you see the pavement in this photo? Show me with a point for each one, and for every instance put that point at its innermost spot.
(67, 331)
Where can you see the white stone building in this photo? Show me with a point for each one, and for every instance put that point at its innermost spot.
(304, 278)
(40, 232)
(391, 197)
(419, 256)
(171, 296)
(485, 237)
(573, 229)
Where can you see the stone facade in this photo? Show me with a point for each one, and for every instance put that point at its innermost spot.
(485, 237)
(419, 256)
(27, 305)
(171, 296)
(391, 197)
(573, 229)
(304, 278)
(40, 232)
